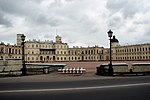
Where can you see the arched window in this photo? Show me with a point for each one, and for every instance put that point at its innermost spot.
(75, 58)
(19, 51)
(82, 52)
(89, 52)
(16, 51)
(69, 52)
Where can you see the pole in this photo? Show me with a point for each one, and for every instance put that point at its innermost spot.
(110, 70)
(23, 61)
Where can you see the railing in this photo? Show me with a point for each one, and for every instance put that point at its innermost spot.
(31, 69)
(123, 69)
(10, 70)
(42, 68)
(141, 68)
(78, 70)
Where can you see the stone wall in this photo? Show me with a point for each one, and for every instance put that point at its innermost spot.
(10, 62)
(10, 65)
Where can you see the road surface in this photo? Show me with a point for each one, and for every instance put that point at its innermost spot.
(131, 88)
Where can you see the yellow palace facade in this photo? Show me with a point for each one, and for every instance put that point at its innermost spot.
(49, 51)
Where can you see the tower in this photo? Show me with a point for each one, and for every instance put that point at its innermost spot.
(114, 42)
(58, 39)
(19, 39)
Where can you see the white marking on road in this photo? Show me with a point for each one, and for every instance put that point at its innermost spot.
(71, 89)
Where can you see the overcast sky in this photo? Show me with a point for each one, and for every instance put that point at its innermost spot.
(78, 22)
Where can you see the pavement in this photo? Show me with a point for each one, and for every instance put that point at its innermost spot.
(54, 76)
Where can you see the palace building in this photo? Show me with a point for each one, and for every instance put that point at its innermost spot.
(49, 51)
(8, 51)
(137, 52)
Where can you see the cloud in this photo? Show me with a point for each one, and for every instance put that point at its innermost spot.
(4, 21)
(79, 22)
(129, 18)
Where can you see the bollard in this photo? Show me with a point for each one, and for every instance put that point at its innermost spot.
(77, 70)
(81, 70)
(60, 70)
(63, 70)
(74, 70)
(66, 70)
(70, 70)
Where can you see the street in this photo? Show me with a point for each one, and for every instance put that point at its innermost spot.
(117, 88)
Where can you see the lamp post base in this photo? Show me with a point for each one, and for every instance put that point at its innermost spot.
(110, 70)
(24, 72)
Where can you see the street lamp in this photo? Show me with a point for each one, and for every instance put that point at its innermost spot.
(110, 70)
(23, 61)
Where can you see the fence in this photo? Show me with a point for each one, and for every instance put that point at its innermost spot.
(78, 70)
(123, 69)
(31, 69)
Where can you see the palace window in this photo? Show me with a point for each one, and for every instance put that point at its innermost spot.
(89, 52)
(32, 58)
(69, 52)
(75, 52)
(86, 58)
(16, 51)
(140, 49)
(19, 51)
(85, 51)
(75, 58)
(146, 48)
(78, 58)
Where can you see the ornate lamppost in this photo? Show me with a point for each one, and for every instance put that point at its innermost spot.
(110, 70)
(23, 55)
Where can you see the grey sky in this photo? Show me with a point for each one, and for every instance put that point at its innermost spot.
(79, 22)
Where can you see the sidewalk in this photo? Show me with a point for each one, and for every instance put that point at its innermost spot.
(52, 77)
